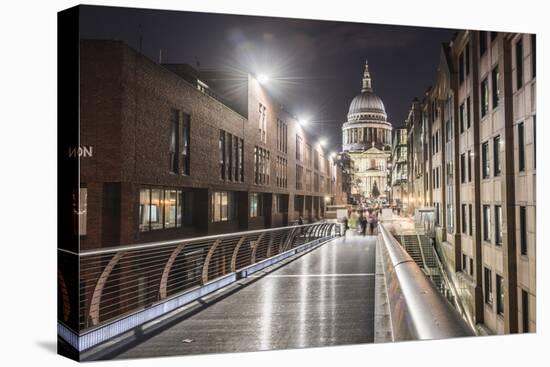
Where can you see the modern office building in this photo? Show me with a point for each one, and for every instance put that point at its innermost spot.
(366, 137)
(474, 162)
(174, 157)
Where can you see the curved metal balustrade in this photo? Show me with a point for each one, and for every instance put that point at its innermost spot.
(417, 309)
(118, 281)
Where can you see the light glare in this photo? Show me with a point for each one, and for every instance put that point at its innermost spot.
(263, 78)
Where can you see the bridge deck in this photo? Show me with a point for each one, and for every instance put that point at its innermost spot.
(323, 298)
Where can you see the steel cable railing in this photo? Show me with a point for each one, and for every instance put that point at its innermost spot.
(118, 281)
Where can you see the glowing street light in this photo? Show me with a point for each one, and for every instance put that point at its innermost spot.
(322, 142)
(263, 78)
(333, 155)
(303, 122)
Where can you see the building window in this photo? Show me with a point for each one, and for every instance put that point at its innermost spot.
(174, 142)
(500, 295)
(179, 150)
(498, 225)
(186, 149)
(315, 159)
(495, 86)
(156, 219)
(307, 155)
(525, 311)
(486, 223)
(488, 286)
(496, 153)
(464, 263)
(493, 36)
(519, 64)
(261, 166)
(462, 116)
(160, 208)
(299, 177)
(316, 182)
(523, 229)
(240, 156)
(533, 55)
(468, 119)
(221, 149)
(281, 172)
(471, 267)
(223, 206)
(482, 42)
(461, 67)
(82, 211)
(262, 123)
(521, 147)
(484, 97)
(463, 168)
(282, 130)
(308, 180)
(470, 220)
(450, 218)
(463, 219)
(469, 166)
(299, 148)
(256, 205)
(229, 155)
(485, 159)
(467, 58)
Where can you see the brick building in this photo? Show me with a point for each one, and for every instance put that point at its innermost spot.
(172, 157)
(477, 168)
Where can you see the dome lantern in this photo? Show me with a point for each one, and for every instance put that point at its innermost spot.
(367, 82)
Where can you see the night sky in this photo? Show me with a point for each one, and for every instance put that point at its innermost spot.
(316, 67)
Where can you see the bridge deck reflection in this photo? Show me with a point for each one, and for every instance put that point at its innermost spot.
(323, 298)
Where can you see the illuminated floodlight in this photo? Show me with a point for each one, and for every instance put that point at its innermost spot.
(263, 78)
(303, 122)
(333, 155)
(322, 142)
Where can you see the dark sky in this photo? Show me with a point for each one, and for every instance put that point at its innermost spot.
(315, 66)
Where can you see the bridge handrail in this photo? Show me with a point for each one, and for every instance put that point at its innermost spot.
(118, 281)
(417, 309)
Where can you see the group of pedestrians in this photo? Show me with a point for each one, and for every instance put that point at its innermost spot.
(368, 219)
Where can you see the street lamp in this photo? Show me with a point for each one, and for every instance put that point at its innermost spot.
(262, 78)
(322, 142)
(303, 122)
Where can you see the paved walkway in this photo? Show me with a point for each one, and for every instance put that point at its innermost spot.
(323, 298)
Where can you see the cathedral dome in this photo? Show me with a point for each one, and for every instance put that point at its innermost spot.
(367, 125)
(366, 102)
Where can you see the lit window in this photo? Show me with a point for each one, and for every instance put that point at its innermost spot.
(488, 285)
(500, 295)
(160, 209)
(222, 206)
(486, 223)
(82, 211)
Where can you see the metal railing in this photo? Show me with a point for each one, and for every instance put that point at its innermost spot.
(118, 281)
(417, 309)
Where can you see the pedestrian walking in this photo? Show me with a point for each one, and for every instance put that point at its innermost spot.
(346, 226)
(371, 223)
(363, 225)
